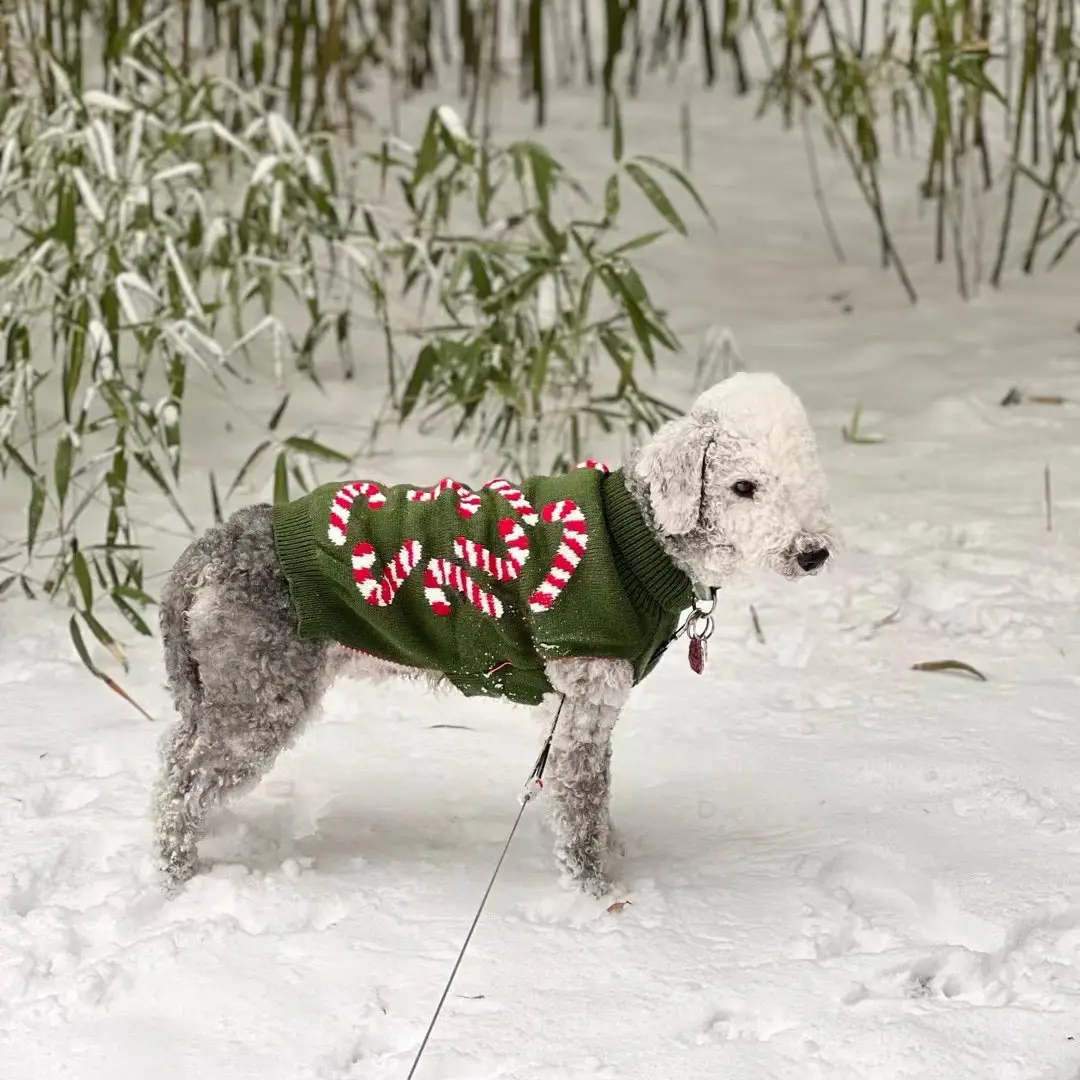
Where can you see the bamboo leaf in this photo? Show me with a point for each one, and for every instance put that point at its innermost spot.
(949, 665)
(37, 508)
(82, 578)
(617, 147)
(279, 412)
(112, 684)
(132, 592)
(281, 479)
(611, 198)
(316, 449)
(679, 178)
(137, 622)
(427, 156)
(62, 468)
(146, 463)
(655, 194)
(638, 242)
(248, 464)
(215, 501)
(426, 363)
(106, 639)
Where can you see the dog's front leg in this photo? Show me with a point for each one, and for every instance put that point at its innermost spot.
(578, 778)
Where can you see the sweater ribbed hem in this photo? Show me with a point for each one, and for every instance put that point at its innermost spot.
(292, 539)
(648, 570)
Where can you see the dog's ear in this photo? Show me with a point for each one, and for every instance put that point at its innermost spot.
(672, 466)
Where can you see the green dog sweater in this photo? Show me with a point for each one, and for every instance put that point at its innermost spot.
(483, 586)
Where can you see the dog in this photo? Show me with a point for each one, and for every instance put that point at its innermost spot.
(262, 613)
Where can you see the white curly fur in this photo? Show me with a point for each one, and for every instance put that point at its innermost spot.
(245, 686)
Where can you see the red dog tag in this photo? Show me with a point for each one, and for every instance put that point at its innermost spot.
(697, 655)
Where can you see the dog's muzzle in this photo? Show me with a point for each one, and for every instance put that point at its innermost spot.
(812, 560)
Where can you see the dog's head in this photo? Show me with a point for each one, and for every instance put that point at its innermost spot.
(736, 483)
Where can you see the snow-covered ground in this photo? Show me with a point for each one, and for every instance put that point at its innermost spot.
(837, 866)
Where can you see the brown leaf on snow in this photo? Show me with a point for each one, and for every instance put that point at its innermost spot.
(949, 665)
(617, 906)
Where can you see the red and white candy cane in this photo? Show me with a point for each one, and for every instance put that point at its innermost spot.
(499, 567)
(380, 592)
(571, 548)
(514, 497)
(442, 574)
(468, 500)
(341, 507)
(591, 463)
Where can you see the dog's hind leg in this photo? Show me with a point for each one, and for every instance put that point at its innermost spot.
(243, 684)
(578, 779)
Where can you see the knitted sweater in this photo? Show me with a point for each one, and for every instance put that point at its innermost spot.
(483, 586)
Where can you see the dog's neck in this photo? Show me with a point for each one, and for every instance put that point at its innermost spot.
(639, 547)
(638, 490)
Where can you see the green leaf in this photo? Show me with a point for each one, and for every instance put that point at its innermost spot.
(638, 242)
(616, 129)
(24, 466)
(106, 639)
(679, 178)
(315, 449)
(655, 194)
(281, 479)
(544, 169)
(246, 467)
(427, 157)
(82, 578)
(146, 463)
(215, 501)
(972, 73)
(1063, 250)
(62, 468)
(111, 683)
(611, 199)
(37, 508)
(138, 623)
(7, 583)
(73, 361)
(131, 592)
(278, 413)
(426, 363)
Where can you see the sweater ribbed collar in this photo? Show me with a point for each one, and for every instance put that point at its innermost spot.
(649, 572)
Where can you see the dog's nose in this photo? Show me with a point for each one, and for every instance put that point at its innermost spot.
(811, 560)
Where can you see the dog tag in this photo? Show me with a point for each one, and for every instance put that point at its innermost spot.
(697, 655)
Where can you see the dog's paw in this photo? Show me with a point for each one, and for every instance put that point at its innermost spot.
(597, 886)
(176, 873)
(592, 882)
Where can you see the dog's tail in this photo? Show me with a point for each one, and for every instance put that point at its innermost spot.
(177, 597)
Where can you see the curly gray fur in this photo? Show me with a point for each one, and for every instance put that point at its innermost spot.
(245, 685)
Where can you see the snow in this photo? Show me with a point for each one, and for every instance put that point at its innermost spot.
(836, 866)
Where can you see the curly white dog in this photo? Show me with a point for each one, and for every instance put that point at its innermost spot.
(571, 585)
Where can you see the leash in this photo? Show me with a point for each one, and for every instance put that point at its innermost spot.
(533, 785)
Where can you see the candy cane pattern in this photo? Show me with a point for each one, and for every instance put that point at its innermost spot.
(591, 463)
(468, 501)
(571, 548)
(380, 592)
(442, 574)
(514, 497)
(341, 507)
(501, 569)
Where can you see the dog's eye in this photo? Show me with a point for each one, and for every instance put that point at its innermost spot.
(744, 488)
